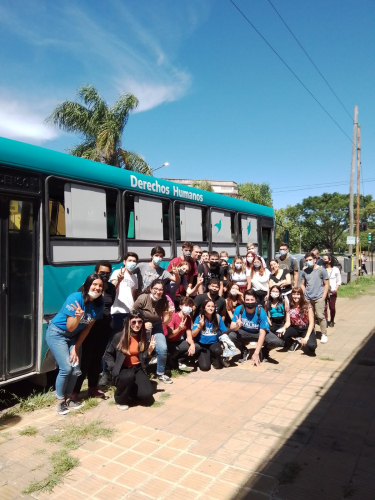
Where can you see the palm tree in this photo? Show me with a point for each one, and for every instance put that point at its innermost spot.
(101, 127)
(204, 185)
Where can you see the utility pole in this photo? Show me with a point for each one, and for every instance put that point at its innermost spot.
(351, 197)
(358, 257)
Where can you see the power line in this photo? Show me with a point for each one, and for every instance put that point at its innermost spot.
(290, 69)
(312, 62)
(317, 187)
(320, 184)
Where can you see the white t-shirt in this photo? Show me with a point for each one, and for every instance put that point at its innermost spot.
(259, 282)
(124, 294)
(334, 277)
(239, 278)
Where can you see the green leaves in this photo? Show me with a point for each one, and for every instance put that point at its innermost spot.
(256, 193)
(204, 185)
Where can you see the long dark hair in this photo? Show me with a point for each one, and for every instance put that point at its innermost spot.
(162, 304)
(302, 303)
(230, 305)
(126, 334)
(86, 288)
(280, 300)
(214, 321)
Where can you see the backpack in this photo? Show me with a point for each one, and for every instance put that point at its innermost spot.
(205, 276)
(291, 265)
(259, 308)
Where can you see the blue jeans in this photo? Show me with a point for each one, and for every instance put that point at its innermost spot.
(161, 348)
(60, 345)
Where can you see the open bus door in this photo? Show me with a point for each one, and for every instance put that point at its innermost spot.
(18, 284)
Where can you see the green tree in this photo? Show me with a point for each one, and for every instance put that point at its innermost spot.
(101, 128)
(204, 185)
(256, 193)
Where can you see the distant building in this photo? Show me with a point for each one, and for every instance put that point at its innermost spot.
(229, 188)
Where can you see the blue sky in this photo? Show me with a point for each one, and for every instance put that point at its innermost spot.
(215, 101)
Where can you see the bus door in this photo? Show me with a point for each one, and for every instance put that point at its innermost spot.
(267, 239)
(18, 284)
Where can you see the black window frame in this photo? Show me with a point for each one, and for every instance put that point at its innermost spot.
(208, 222)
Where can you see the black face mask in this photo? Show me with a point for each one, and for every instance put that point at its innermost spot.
(105, 277)
(214, 264)
(213, 293)
(250, 306)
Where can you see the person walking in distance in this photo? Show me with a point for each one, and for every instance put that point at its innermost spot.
(334, 277)
(363, 262)
(315, 285)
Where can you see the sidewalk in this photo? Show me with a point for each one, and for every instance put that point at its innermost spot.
(228, 433)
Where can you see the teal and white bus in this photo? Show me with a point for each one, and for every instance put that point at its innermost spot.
(60, 214)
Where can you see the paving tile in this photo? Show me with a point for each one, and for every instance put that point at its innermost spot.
(132, 478)
(196, 481)
(172, 473)
(112, 491)
(155, 488)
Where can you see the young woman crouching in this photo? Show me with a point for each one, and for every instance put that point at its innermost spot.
(126, 360)
(301, 322)
(277, 309)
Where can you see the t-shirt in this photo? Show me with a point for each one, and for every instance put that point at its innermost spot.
(175, 323)
(259, 282)
(92, 312)
(314, 286)
(287, 264)
(239, 278)
(278, 311)
(109, 294)
(207, 335)
(148, 274)
(250, 322)
(209, 273)
(220, 304)
(298, 318)
(286, 288)
(193, 266)
(124, 294)
(334, 277)
(145, 304)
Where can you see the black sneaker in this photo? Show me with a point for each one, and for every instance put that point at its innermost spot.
(62, 408)
(244, 355)
(295, 346)
(105, 379)
(265, 354)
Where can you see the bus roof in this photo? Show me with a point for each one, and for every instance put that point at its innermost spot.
(26, 156)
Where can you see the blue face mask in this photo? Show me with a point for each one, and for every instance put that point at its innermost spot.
(130, 266)
(156, 260)
(283, 252)
(309, 263)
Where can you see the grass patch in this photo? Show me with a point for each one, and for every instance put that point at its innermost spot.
(36, 401)
(112, 402)
(29, 431)
(62, 463)
(366, 362)
(72, 435)
(90, 403)
(175, 373)
(39, 451)
(365, 285)
(289, 473)
(110, 391)
(163, 397)
(326, 358)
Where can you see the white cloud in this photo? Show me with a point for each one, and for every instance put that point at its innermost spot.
(21, 123)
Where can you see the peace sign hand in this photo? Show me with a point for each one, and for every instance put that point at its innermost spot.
(182, 324)
(200, 279)
(201, 321)
(120, 275)
(239, 322)
(78, 311)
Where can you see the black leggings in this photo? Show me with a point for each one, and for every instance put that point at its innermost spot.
(93, 349)
(180, 348)
(206, 352)
(241, 338)
(293, 332)
(133, 382)
(276, 326)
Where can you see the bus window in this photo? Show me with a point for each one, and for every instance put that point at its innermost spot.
(151, 218)
(191, 223)
(248, 229)
(222, 226)
(129, 216)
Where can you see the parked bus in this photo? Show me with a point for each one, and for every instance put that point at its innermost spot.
(60, 214)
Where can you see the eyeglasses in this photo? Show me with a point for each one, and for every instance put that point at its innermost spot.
(136, 321)
(157, 290)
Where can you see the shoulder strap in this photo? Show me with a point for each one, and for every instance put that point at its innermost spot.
(205, 268)
(242, 310)
(320, 272)
(259, 308)
(291, 264)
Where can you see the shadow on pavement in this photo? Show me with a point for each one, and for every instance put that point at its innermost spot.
(331, 453)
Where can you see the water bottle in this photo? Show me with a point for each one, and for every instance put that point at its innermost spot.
(76, 369)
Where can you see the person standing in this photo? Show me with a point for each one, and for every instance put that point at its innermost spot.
(315, 285)
(319, 260)
(239, 273)
(66, 332)
(335, 281)
(186, 256)
(213, 294)
(280, 277)
(209, 271)
(363, 262)
(253, 247)
(95, 344)
(258, 281)
(286, 261)
(150, 271)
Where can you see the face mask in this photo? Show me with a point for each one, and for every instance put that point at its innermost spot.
(283, 252)
(250, 306)
(94, 295)
(105, 278)
(309, 263)
(187, 254)
(257, 265)
(181, 272)
(214, 293)
(238, 266)
(130, 266)
(213, 264)
(234, 292)
(154, 298)
(224, 258)
(275, 295)
(249, 259)
(156, 260)
(186, 310)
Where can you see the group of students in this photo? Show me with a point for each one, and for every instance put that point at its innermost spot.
(199, 309)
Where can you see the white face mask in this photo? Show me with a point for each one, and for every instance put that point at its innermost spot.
(275, 295)
(257, 265)
(224, 258)
(186, 310)
(130, 266)
(234, 292)
(238, 266)
(249, 259)
(94, 295)
(154, 298)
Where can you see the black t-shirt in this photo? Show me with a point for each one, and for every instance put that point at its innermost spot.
(286, 288)
(220, 304)
(209, 273)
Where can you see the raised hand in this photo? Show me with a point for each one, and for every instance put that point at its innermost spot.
(78, 311)
(120, 275)
(152, 345)
(148, 325)
(181, 326)
(201, 321)
(239, 322)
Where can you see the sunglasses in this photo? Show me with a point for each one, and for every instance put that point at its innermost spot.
(136, 321)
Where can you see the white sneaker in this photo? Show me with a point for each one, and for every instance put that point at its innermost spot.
(181, 365)
(323, 339)
(123, 407)
(153, 360)
(164, 378)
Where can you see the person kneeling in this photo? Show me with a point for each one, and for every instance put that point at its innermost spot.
(180, 342)
(207, 328)
(126, 360)
(302, 322)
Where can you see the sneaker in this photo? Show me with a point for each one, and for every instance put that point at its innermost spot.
(226, 362)
(62, 408)
(244, 355)
(164, 378)
(323, 339)
(122, 407)
(181, 365)
(94, 392)
(153, 360)
(295, 346)
(74, 405)
(105, 379)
